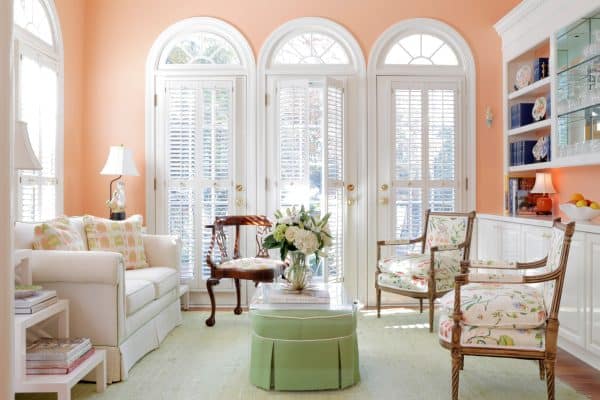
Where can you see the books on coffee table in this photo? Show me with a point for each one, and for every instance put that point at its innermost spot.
(48, 356)
(37, 301)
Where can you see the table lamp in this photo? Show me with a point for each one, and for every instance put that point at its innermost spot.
(543, 185)
(25, 158)
(119, 162)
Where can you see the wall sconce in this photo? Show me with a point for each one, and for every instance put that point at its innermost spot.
(489, 116)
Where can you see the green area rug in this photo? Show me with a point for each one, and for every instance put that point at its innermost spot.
(399, 359)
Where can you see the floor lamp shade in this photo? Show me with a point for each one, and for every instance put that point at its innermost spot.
(25, 157)
(120, 162)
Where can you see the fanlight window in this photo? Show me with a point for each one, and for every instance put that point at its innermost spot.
(421, 49)
(312, 48)
(202, 48)
(32, 16)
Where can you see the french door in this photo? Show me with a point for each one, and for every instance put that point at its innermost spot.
(307, 159)
(420, 161)
(200, 164)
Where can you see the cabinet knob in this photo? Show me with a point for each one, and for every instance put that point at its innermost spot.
(384, 187)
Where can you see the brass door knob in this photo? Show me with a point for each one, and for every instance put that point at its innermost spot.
(239, 187)
(350, 187)
(384, 187)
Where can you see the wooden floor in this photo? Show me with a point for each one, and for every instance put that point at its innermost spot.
(578, 375)
(574, 372)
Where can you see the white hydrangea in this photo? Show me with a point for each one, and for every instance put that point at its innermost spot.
(306, 241)
(291, 232)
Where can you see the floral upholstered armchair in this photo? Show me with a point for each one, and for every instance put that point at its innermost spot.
(428, 274)
(505, 313)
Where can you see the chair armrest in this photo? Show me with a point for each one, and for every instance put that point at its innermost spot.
(399, 242)
(102, 267)
(162, 250)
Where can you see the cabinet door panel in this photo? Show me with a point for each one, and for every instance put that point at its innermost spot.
(535, 243)
(510, 242)
(572, 308)
(593, 248)
(487, 240)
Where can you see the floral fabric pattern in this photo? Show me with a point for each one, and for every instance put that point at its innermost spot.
(514, 306)
(444, 230)
(57, 234)
(413, 284)
(123, 237)
(476, 336)
(417, 265)
(251, 263)
(493, 264)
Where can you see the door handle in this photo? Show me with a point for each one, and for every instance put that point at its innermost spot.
(384, 201)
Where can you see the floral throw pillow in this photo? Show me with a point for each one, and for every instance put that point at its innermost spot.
(57, 234)
(123, 237)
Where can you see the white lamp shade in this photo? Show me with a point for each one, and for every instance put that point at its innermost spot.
(25, 157)
(543, 183)
(119, 162)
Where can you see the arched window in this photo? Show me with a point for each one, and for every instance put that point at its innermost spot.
(421, 49)
(200, 134)
(422, 124)
(311, 72)
(39, 94)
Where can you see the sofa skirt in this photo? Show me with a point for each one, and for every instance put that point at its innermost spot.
(304, 350)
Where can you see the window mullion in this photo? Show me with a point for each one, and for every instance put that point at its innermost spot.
(425, 146)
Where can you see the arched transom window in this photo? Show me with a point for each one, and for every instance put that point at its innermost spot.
(311, 48)
(421, 49)
(201, 48)
(32, 16)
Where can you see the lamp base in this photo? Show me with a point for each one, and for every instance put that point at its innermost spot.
(118, 216)
(543, 206)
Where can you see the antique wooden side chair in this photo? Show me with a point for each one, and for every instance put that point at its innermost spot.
(506, 313)
(429, 274)
(257, 269)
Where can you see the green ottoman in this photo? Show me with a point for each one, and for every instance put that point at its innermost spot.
(303, 346)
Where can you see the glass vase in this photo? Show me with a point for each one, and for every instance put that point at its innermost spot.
(298, 274)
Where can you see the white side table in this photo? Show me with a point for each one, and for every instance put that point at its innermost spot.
(60, 384)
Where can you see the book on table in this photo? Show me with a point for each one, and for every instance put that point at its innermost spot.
(56, 367)
(49, 349)
(36, 302)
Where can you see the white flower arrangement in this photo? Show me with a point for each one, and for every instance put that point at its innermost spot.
(299, 230)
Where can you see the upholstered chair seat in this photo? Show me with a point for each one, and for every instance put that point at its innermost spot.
(251, 264)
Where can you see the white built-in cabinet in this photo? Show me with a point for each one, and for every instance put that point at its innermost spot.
(527, 239)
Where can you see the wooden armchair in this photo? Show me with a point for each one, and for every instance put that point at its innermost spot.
(504, 315)
(446, 241)
(257, 269)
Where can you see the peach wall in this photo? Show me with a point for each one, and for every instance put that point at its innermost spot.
(119, 34)
(71, 14)
(584, 180)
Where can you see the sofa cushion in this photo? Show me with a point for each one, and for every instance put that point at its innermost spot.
(515, 306)
(163, 279)
(57, 234)
(476, 336)
(138, 293)
(123, 237)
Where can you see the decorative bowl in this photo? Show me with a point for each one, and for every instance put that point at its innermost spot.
(579, 213)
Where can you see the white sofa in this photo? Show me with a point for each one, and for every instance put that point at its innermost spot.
(127, 313)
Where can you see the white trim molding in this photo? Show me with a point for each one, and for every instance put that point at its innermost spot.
(354, 74)
(465, 71)
(155, 70)
(6, 218)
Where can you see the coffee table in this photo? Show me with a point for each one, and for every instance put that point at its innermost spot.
(303, 342)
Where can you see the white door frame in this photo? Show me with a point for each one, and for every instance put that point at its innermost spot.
(377, 67)
(354, 74)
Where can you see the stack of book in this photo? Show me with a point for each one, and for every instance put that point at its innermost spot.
(57, 356)
(35, 302)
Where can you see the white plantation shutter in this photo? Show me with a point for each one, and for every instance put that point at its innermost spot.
(37, 96)
(334, 158)
(199, 129)
(424, 153)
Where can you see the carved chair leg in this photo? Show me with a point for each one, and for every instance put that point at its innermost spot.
(549, 364)
(431, 310)
(209, 286)
(542, 370)
(421, 306)
(455, 373)
(238, 309)
(378, 302)
(462, 362)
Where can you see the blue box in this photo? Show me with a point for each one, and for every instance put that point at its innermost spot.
(540, 68)
(521, 153)
(520, 114)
